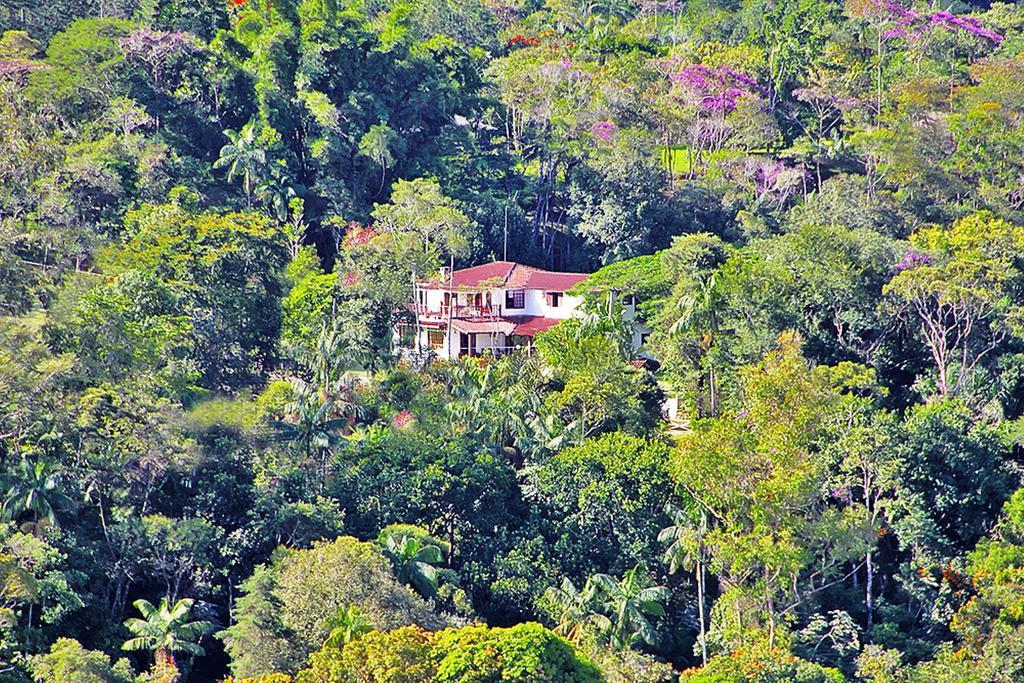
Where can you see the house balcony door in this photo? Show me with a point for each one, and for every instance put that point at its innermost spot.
(467, 344)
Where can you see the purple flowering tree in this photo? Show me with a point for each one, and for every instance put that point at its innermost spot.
(603, 130)
(709, 95)
(712, 89)
(894, 23)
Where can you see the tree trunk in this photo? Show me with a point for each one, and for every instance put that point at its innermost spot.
(451, 305)
(713, 398)
(700, 611)
(868, 600)
(416, 313)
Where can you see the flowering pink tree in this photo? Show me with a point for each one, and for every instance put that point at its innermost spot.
(603, 130)
(709, 95)
(713, 89)
(772, 182)
(895, 23)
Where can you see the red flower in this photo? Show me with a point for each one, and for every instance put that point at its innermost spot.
(402, 419)
(356, 235)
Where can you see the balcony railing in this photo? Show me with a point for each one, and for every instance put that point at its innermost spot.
(459, 311)
(495, 351)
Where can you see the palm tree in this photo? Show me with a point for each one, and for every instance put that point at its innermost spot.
(243, 157)
(576, 608)
(346, 625)
(376, 145)
(312, 422)
(329, 359)
(165, 630)
(700, 314)
(625, 606)
(33, 488)
(414, 562)
(685, 547)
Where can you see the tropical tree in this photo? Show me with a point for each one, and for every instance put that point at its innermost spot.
(414, 561)
(17, 587)
(960, 284)
(700, 317)
(313, 423)
(376, 144)
(165, 629)
(33, 488)
(346, 625)
(626, 605)
(425, 226)
(243, 158)
(686, 548)
(573, 608)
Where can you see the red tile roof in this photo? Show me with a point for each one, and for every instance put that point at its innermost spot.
(522, 325)
(499, 274)
(469, 326)
(530, 325)
(552, 282)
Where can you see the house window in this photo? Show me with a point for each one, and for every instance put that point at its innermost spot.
(515, 298)
(435, 338)
(554, 299)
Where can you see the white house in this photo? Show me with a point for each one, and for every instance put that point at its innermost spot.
(494, 307)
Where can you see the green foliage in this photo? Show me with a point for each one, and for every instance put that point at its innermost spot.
(523, 652)
(346, 625)
(258, 642)
(67, 660)
(757, 474)
(203, 202)
(960, 286)
(946, 513)
(288, 609)
(414, 561)
(378, 657)
(641, 277)
(33, 489)
(612, 486)
(224, 269)
(761, 665)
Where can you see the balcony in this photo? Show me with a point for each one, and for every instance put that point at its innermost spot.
(470, 311)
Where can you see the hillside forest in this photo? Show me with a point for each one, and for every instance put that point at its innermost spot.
(216, 464)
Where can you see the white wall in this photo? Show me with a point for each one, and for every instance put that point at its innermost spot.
(536, 304)
(535, 301)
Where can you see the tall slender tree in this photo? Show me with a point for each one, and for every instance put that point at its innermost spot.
(243, 157)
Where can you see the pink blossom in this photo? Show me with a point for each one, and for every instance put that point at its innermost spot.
(603, 130)
(912, 260)
(714, 89)
(911, 24)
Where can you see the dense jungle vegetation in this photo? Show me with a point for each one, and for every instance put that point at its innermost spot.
(215, 463)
